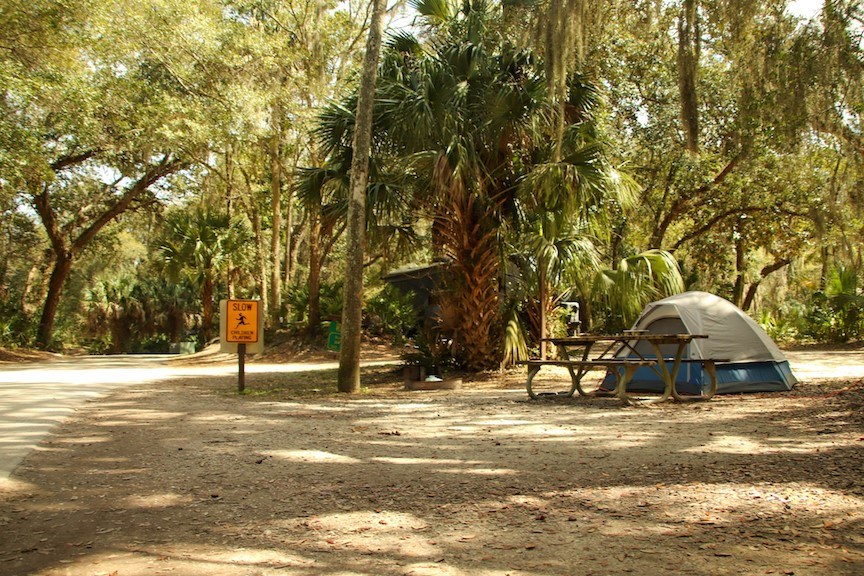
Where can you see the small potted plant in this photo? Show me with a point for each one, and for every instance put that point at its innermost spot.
(428, 360)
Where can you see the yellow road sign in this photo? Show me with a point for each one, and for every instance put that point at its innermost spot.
(241, 321)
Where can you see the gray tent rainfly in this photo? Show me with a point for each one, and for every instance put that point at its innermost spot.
(754, 363)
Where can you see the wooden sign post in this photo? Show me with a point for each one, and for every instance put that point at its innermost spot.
(240, 325)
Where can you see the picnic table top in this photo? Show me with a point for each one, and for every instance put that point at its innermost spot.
(626, 336)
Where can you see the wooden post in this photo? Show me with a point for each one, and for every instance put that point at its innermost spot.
(241, 372)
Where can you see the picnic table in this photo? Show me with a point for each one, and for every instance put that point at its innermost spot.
(621, 354)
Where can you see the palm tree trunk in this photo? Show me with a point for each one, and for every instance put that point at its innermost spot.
(469, 237)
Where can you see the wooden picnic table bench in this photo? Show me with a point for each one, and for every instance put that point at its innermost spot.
(622, 367)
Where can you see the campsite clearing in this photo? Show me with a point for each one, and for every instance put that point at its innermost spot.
(184, 477)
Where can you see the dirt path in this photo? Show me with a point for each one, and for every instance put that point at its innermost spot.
(186, 478)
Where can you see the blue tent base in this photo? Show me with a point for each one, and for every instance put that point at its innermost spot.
(734, 378)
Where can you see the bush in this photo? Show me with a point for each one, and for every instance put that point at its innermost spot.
(833, 319)
(782, 327)
(16, 329)
(432, 351)
(297, 298)
(392, 313)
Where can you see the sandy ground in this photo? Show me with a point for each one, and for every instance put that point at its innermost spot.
(185, 477)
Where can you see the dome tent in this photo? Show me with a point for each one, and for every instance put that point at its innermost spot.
(752, 361)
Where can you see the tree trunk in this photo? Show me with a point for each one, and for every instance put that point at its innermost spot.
(352, 307)
(260, 257)
(60, 273)
(544, 295)
(313, 327)
(276, 236)
(229, 209)
(585, 313)
(689, 47)
(769, 269)
(290, 252)
(751, 295)
(206, 310)
(740, 273)
(469, 237)
(64, 254)
(826, 266)
(5, 247)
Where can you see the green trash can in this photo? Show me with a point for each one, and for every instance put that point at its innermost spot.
(334, 337)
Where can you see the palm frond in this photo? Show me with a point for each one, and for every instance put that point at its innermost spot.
(437, 11)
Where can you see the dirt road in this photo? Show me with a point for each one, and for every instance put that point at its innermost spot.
(185, 477)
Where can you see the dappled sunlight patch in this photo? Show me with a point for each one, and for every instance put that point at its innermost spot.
(456, 466)
(443, 569)
(217, 417)
(13, 486)
(677, 508)
(491, 472)
(113, 423)
(529, 501)
(83, 440)
(163, 500)
(107, 459)
(390, 444)
(394, 405)
(155, 415)
(421, 461)
(734, 444)
(138, 415)
(506, 422)
(318, 456)
(254, 557)
(379, 522)
(125, 471)
(35, 413)
(12, 435)
(369, 531)
(325, 408)
(195, 559)
(299, 408)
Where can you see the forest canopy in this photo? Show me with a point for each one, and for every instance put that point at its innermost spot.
(157, 156)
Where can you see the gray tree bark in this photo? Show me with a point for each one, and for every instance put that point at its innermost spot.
(276, 236)
(352, 308)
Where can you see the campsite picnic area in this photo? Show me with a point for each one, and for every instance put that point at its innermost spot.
(185, 477)
(685, 347)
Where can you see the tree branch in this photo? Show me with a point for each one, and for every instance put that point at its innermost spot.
(70, 160)
(714, 221)
(681, 203)
(766, 270)
(150, 177)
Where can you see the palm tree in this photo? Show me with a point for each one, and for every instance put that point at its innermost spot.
(634, 282)
(198, 244)
(565, 200)
(466, 115)
(843, 298)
